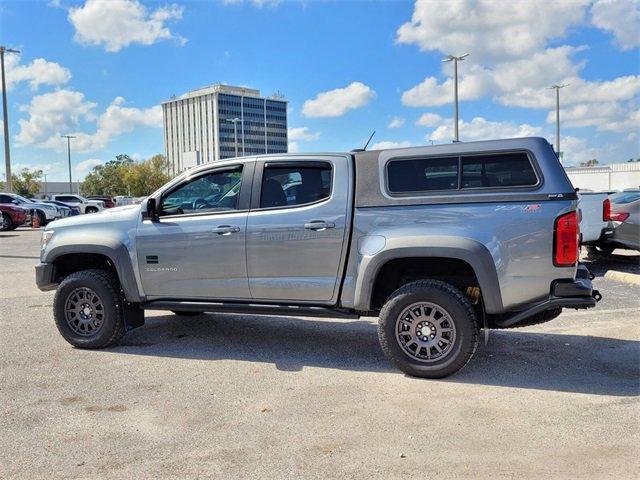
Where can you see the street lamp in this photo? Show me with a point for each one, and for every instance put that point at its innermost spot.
(235, 131)
(5, 118)
(69, 137)
(455, 60)
(557, 89)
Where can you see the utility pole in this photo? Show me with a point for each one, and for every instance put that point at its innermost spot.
(45, 185)
(235, 131)
(557, 89)
(69, 137)
(455, 60)
(5, 120)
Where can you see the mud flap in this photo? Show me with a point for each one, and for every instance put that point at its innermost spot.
(133, 315)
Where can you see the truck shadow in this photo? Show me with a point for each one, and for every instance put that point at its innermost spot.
(542, 361)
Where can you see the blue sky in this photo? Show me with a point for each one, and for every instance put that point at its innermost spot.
(99, 69)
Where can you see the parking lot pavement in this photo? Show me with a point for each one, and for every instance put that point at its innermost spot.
(230, 396)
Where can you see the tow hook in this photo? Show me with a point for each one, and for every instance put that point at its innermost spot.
(596, 295)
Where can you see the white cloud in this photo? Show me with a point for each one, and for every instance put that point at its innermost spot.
(384, 144)
(62, 112)
(294, 147)
(335, 103)
(119, 23)
(480, 128)
(302, 134)
(38, 72)
(53, 114)
(429, 120)
(85, 166)
(396, 122)
(621, 18)
(490, 29)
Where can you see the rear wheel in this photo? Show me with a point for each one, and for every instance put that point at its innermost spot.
(6, 222)
(91, 210)
(88, 310)
(428, 328)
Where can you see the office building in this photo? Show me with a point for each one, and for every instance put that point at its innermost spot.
(210, 123)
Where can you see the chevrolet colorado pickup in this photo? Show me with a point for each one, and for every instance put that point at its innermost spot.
(438, 241)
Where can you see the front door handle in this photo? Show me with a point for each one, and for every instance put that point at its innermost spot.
(225, 229)
(319, 225)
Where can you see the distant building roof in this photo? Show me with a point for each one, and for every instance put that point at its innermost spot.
(221, 88)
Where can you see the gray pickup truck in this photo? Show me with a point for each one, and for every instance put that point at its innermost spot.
(439, 242)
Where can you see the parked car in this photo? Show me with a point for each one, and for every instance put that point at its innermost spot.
(65, 210)
(622, 212)
(13, 216)
(73, 210)
(43, 211)
(438, 241)
(593, 226)
(108, 201)
(83, 204)
(122, 200)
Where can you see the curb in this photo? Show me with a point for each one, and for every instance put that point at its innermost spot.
(625, 277)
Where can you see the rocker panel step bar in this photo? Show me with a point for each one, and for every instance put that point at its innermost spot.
(248, 308)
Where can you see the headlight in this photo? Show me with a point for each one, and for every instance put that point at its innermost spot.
(47, 235)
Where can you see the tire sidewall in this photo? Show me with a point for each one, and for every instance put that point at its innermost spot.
(110, 303)
(6, 216)
(464, 344)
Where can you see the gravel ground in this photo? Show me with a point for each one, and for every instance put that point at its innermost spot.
(231, 396)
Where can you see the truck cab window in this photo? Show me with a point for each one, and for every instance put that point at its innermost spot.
(298, 185)
(212, 192)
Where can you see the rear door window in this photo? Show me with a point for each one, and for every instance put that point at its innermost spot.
(286, 186)
(495, 171)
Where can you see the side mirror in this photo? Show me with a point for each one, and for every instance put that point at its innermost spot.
(151, 211)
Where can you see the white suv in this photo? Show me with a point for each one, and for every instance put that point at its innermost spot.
(85, 205)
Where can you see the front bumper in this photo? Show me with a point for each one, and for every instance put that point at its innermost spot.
(45, 276)
(578, 293)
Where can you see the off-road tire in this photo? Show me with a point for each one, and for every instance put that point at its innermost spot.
(185, 313)
(461, 312)
(538, 318)
(7, 223)
(106, 286)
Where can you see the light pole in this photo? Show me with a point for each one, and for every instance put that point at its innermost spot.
(557, 89)
(455, 60)
(69, 137)
(5, 119)
(235, 131)
(45, 185)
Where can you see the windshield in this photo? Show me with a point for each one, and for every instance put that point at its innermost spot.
(22, 199)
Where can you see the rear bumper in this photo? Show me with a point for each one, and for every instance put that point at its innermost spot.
(578, 293)
(45, 276)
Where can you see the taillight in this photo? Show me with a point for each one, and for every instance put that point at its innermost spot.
(566, 243)
(606, 210)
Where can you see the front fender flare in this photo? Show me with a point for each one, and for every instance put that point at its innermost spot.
(117, 253)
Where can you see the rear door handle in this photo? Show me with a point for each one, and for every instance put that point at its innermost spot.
(225, 229)
(319, 225)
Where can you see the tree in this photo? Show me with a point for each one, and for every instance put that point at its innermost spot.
(590, 163)
(124, 176)
(27, 182)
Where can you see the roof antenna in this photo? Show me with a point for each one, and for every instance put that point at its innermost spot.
(367, 144)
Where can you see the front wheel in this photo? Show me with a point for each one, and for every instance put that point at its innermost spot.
(428, 328)
(87, 309)
(6, 222)
(91, 210)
